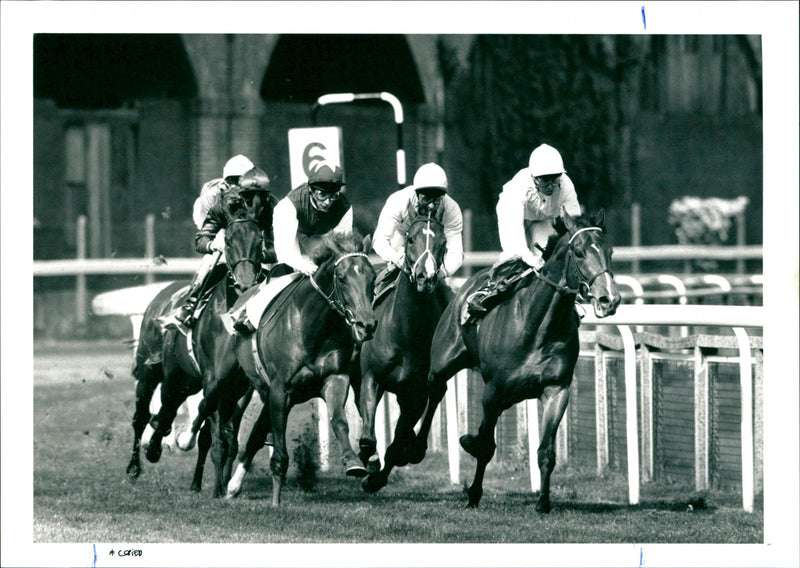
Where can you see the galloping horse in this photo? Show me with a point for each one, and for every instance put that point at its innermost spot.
(301, 349)
(527, 346)
(397, 359)
(172, 359)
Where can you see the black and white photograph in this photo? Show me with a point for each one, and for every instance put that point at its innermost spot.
(439, 284)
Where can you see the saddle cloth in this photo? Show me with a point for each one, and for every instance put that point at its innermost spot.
(254, 304)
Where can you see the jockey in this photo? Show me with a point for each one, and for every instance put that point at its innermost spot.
(428, 193)
(311, 209)
(211, 191)
(525, 211)
(210, 239)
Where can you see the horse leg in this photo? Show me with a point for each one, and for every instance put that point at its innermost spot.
(482, 445)
(554, 406)
(225, 440)
(334, 392)
(149, 377)
(203, 446)
(173, 393)
(411, 408)
(197, 416)
(255, 441)
(436, 389)
(279, 463)
(369, 396)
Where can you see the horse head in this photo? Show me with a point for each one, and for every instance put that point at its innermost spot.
(343, 261)
(244, 250)
(588, 267)
(425, 248)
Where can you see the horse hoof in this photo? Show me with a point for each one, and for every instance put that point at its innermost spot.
(356, 470)
(472, 505)
(196, 488)
(134, 470)
(467, 442)
(373, 465)
(372, 484)
(543, 507)
(153, 453)
(185, 441)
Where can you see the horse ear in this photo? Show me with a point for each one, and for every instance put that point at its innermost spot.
(366, 244)
(569, 222)
(600, 219)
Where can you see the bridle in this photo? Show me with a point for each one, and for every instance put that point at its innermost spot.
(333, 300)
(584, 283)
(232, 266)
(412, 270)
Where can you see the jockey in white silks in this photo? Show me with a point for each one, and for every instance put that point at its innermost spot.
(428, 193)
(526, 208)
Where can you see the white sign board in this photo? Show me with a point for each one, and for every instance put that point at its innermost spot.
(307, 145)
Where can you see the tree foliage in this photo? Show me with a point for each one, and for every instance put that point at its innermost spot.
(566, 91)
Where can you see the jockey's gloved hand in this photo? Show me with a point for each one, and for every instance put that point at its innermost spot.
(399, 261)
(533, 260)
(307, 268)
(219, 241)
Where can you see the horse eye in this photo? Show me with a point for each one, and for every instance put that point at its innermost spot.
(578, 253)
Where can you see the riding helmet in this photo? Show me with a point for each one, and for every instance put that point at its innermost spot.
(255, 179)
(237, 166)
(327, 177)
(430, 177)
(545, 160)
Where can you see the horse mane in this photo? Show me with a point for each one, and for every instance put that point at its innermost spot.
(334, 244)
(581, 221)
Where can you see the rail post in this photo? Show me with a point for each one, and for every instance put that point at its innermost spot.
(80, 279)
(532, 409)
(636, 234)
(149, 244)
(746, 380)
(467, 236)
(631, 413)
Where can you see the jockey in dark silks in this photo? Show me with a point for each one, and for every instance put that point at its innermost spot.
(526, 208)
(428, 194)
(210, 239)
(311, 209)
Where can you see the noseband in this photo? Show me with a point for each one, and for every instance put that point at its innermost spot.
(427, 252)
(232, 266)
(334, 300)
(584, 284)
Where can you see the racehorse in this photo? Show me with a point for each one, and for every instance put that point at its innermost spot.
(170, 359)
(302, 348)
(527, 346)
(398, 357)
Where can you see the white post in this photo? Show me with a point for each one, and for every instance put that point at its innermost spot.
(324, 434)
(532, 408)
(381, 419)
(149, 243)
(453, 456)
(467, 238)
(636, 234)
(80, 279)
(631, 413)
(746, 379)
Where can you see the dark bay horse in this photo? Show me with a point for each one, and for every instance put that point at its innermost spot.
(168, 359)
(397, 359)
(527, 346)
(304, 343)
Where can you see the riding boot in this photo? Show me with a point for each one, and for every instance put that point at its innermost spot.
(476, 303)
(384, 280)
(183, 316)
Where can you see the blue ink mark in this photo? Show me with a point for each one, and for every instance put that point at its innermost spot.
(641, 550)
(644, 20)
(94, 550)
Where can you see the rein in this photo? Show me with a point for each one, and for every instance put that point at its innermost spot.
(333, 300)
(585, 284)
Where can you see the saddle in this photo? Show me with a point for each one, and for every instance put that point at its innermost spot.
(503, 281)
(385, 282)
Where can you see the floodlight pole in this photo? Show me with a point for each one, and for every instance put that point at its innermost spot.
(334, 98)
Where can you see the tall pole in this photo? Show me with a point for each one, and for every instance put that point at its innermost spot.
(335, 98)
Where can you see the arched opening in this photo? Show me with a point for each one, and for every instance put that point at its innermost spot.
(303, 67)
(94, 71)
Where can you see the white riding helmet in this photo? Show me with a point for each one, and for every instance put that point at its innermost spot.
(237, 166)
(430, 176)
(545, 160)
